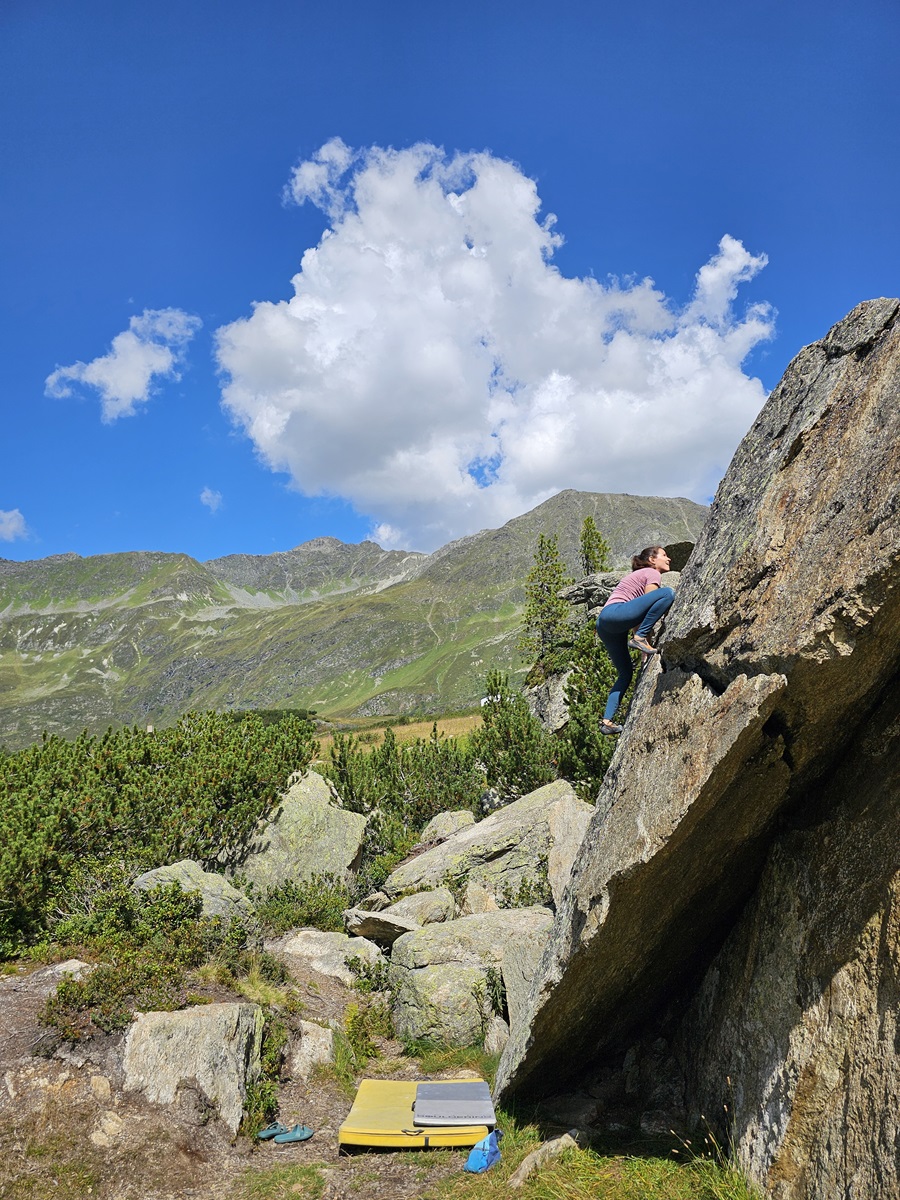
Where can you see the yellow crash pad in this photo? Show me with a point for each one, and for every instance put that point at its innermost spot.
(382, 1115)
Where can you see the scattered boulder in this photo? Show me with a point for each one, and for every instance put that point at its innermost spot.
(220, 898)
(313, 1048)
(384, 927)
(439, 975)
(752, 778)
(594, 590)
(446, 823)
(496, 1035)
(213, 1050)
(530, 843)
(547, 701)
(327, 953)
(308, 835)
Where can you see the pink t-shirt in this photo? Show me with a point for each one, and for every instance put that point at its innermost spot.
(633, 585)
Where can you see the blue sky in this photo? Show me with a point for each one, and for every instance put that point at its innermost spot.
(446, 357)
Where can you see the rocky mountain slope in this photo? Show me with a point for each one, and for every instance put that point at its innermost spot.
(729, 941)
(142, 637)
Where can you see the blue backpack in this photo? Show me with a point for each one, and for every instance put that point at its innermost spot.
(485, 1153)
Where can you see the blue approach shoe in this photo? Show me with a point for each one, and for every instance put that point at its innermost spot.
(271, 1131)
(300, 1133)
(608, 728)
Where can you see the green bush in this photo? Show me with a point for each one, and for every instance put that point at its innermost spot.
(261, 1102)
(400, 787)
(148, 941)
(583, 753)
(318, 902)
(193, 791)
(516, 752)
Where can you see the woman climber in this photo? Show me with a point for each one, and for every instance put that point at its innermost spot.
(637, 604)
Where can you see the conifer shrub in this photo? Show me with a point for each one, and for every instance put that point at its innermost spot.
(516, 753)
(318, 902)
(195, 791)
(400, 787)
(147, 942)
(546, 637)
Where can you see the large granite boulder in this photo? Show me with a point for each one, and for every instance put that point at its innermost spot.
(799, 1010)
(308, 835)
(439, 975)
(530, 842)
(213, 1049)
(219, 898)
(783, 642)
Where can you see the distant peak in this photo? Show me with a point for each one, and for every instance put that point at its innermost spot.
(320, 543)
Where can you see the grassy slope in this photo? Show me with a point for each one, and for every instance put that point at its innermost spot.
(140, 638)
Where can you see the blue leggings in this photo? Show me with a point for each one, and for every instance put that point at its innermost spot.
(613, 624)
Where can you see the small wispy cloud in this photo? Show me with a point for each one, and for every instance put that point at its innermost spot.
(211, 499)
(152, 347)
(12, 525)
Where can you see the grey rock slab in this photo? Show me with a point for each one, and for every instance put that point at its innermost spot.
(220, 898)
(496, 1035)
(784, 634)
(213, 1047)
(438, 974)
(446, 823)
(327, 953)
(308, 835)
(385, 925)
(476, 899)
(536, 835)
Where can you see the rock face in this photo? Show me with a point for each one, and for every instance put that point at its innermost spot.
(800, 1008)
(547, 701)
(214, 1048)
(220, 899)
(771, 706)
(439, 974)
(534, 838)
(309, 835)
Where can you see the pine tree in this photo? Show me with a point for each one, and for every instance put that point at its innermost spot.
(547, 633)
(595, 549)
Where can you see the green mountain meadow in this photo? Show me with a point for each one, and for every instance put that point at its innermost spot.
(140, 638)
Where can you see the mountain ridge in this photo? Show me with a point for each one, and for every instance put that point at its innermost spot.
(142, 636)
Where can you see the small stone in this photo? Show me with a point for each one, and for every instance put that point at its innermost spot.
(314, 1047)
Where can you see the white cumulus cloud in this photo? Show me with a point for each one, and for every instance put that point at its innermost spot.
(153, 346)
(435, 368)
(12, 525)
(211, 499)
